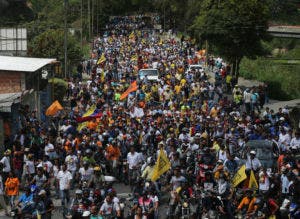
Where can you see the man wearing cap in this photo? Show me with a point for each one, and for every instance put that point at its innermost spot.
(252, 162)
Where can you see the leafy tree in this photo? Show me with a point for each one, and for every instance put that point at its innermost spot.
(51, 44)
(235, 28)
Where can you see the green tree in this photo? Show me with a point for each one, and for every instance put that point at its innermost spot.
(235, 28)
(50, 44)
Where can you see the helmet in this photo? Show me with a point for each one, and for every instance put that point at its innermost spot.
(78, 192)
(97, 168)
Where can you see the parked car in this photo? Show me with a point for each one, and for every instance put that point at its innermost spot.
(266, 151)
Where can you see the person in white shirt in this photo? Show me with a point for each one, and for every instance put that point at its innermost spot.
(284, 139)
(133, 160)
(64, 178)
(295, 142)
(252, 162)
(5, 161)
(71, 161)
(49, 149)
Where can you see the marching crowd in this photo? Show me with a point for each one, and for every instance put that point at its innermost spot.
(200, 130)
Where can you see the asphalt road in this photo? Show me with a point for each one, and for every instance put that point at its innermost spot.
(122, 191)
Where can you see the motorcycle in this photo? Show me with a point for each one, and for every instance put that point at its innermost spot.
(185, 210)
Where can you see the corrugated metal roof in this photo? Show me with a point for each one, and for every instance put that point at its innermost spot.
(6, 100)
(23, 64)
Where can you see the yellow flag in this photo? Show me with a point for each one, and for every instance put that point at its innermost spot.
(133, 58)
(240, 176)
(102, 59)
(252, 181)
(132, 36)
(162, 165)
(81, 126)
(102, 75)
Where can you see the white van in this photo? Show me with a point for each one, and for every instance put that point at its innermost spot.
(151, 74)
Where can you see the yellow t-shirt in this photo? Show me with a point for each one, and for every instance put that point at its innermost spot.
(177, 89)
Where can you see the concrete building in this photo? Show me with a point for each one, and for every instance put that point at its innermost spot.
(23, 90)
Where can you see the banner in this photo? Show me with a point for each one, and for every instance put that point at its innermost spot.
(239, 177)
(54, 108)
(162, 165)
(252, 181)
(133, 87)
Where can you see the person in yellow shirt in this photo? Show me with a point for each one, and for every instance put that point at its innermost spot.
(147, 173)
(214, 112)
(182, 82)
(177, 88)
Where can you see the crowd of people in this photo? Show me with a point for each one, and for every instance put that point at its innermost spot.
(203, 128)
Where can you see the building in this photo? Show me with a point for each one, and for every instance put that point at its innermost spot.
(23, 89)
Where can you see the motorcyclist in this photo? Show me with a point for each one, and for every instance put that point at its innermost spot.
(207, 157)
(211, 204)
(247, 204)
(97, 179)
(147, 205)
(109, 208)
(25, 201)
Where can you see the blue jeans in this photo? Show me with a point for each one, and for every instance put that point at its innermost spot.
(64, 194)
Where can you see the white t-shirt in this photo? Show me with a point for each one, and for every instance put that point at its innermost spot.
(30, 165)
(133, 159)
(71, 161)
(86, 174)
(6, 164)
(295, 142)
(48, 147)
(64, 178)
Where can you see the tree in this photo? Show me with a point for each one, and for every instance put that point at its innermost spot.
(235, 28)
(50, 44)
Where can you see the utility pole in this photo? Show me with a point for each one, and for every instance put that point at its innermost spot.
(65, 37)
(164, 16)
(97, 16)
(81, 23)
(92, 18)
(89, 18)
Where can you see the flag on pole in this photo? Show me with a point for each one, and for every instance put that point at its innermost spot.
(132, 36)
(252, 181)
(162, 165)
(54, 108)
(239, 177)
(101, 59)
(133, 87)
(88, 113)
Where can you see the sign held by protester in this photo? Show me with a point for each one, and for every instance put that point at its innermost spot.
(239, 177)
(162, 165)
